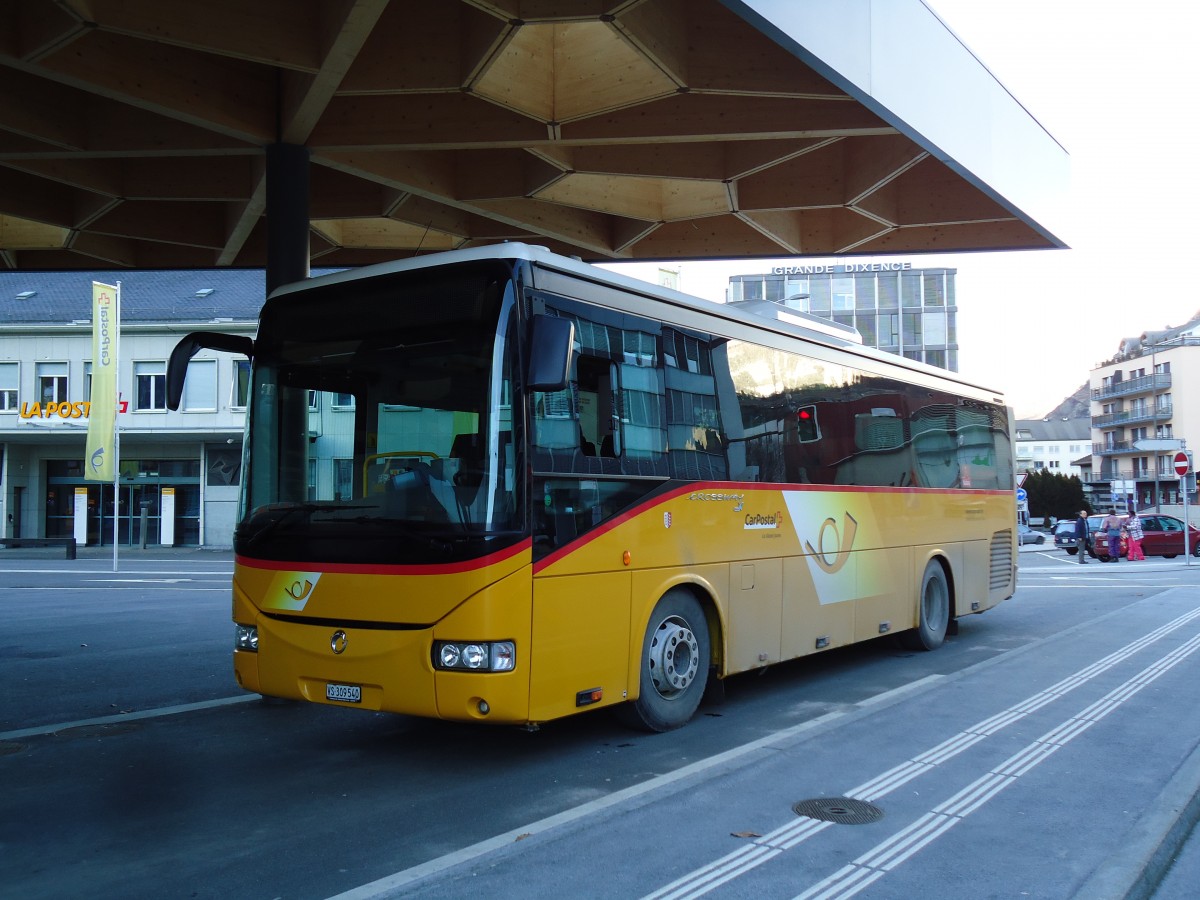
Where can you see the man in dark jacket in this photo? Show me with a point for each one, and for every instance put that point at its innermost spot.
(1081, 536)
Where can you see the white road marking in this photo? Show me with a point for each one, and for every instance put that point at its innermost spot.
(889, 854)
(701, 881)
(126, 717)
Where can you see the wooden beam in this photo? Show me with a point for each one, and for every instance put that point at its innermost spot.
(29, 197)
(412, 122)
(728, 55)
(659, 32)
(929, 194)
(427, 174)
(712, 238)
(42, 110)
(23, 234)
(1008, 234)
(29, 31)
(115, 251)
(284, 33)
(810, 180)
(99, 176)
(500, 173)
(579, 227)
(421, 47)
(382, 234)
(871, 163)
(697, 116)
(228, 96)
(305, 98)
(190, 224)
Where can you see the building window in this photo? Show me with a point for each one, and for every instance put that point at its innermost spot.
(151, 381)
(241, 383)
(10, 374)
(200, 386)
(843, 293)
(935, 292)
(52, 382)
(343, 477)
(343, 401)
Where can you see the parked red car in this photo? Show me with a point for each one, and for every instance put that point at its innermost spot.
(1163, 537)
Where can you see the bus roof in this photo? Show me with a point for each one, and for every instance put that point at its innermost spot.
(765, 315)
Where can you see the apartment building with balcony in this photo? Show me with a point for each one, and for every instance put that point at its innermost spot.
(1057, 445)
(1145, 405)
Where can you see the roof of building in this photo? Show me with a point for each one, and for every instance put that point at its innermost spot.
(1061, 429)
(186, 295)
(608, 130)
(1133, 346)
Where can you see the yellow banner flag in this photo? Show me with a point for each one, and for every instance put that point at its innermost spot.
(101, 459)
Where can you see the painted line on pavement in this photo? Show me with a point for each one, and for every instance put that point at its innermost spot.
(905, 844)
(127, 717)
(701, 881)
(392, 885)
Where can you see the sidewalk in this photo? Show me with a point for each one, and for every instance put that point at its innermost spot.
(151, 552)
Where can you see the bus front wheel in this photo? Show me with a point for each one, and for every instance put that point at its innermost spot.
(933, 606)
(674, 664)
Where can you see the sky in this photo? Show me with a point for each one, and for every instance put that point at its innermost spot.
(1115, 83)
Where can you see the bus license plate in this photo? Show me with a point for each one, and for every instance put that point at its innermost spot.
(343, 693)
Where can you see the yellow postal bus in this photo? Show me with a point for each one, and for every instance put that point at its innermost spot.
(499, 485)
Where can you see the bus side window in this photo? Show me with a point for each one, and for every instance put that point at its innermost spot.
(595, 406)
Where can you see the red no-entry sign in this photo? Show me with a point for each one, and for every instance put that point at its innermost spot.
(1182, 466)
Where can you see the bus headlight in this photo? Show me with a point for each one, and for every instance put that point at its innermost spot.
(246, 637)
(475, 656)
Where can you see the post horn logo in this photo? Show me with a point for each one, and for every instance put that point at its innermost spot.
(338, 642)
(843, 543)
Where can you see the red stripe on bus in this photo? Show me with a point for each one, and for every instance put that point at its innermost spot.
(469, 565)
(725, 487)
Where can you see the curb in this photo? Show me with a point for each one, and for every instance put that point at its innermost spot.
(1134, 872)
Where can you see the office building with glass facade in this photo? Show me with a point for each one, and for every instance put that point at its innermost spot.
(907, 311)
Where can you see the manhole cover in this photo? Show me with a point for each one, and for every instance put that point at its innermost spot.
(842, 810)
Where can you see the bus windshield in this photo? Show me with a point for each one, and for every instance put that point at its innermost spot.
(380, 422)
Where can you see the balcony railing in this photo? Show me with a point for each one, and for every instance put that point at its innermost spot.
(1142, 385)
(1130, 416)
(1147, 474)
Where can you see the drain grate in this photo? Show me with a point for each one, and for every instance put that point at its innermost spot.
(842, 810)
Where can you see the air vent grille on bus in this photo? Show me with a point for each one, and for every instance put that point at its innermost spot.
(1002, 560)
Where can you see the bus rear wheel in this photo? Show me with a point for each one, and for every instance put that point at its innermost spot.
(674, 664)
(933, 608)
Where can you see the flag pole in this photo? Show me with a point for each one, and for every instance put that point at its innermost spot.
(117, 435)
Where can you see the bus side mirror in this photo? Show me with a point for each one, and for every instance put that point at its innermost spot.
(188, 346)
(550, 348)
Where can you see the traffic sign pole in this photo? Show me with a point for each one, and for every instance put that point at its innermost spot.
(1183, 465)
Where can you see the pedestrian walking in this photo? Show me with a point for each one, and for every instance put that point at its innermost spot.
(1081, 536)
(1134, 535)
(1111, 528)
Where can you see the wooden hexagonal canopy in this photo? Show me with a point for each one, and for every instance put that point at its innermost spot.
(133, 133)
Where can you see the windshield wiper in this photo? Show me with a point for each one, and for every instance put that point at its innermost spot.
(269, 518)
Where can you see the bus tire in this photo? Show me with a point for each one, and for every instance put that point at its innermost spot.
(674, 666)
(933, 610)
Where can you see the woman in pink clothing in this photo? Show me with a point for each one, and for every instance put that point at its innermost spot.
(1133, 531)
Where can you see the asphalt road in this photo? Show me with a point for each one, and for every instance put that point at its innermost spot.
(133, 767)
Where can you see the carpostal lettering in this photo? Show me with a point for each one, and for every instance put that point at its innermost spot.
(757, 521)
(65, 410)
